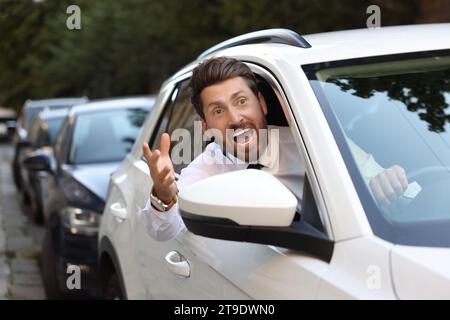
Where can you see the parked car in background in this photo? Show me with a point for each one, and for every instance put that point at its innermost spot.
(29, 111)
(7, 123)
(41, 138)
(93, 140)
(381, 88)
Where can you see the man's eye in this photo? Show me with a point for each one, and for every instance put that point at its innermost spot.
(217, 111)
(242, 101)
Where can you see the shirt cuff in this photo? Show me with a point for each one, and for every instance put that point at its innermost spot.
(160, 215)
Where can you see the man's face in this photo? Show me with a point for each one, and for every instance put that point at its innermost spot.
(237, 113)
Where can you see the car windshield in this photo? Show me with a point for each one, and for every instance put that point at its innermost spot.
(395, 108)
(105, 136)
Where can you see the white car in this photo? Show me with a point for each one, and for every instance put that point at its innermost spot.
(388, 90)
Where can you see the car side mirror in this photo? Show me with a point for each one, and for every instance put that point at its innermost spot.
(249, 206)
(38, 162)
(23, 144)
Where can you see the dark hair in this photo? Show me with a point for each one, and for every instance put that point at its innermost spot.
(216, 70)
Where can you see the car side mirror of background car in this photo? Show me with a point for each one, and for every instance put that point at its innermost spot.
(38, 162)
(249, 206)
(246, 197)
(23, 144)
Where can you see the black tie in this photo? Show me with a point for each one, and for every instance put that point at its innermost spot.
(256, 166)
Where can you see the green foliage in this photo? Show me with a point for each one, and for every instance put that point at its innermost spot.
(128, 47)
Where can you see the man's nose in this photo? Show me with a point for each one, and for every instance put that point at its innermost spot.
(235, 116)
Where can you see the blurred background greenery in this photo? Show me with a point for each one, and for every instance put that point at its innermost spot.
(128, 47)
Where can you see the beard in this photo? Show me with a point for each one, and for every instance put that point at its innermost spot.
(245, 141)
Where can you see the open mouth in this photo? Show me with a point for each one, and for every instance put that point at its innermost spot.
(244, 136)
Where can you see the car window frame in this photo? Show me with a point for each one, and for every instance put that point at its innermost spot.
(169, 104)
(42, 138)
(270, 77)
(64, 138)
(296, 131)
(33, 132)
(174, 88)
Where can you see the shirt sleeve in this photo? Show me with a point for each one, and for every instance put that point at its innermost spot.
(163, 226)
(367, 165)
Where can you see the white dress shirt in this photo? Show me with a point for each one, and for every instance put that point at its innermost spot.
(281, 158)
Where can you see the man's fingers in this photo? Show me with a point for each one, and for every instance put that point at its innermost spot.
(401, 175)
(389, 184)
(165, 144)
(163, 174)
(147, 152)
(385, 184)
(378, 192)
(394, 182)
(168, 181)
(153, 163)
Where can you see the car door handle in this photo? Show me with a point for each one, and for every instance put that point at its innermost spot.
(118, 211)
(178, 264)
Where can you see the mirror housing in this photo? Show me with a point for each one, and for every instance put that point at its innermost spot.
(247, 197)
(23, 144)
(249, 206)
(38, 162)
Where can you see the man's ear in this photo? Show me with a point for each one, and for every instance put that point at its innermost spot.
(262, 103)
(204, 125)
(206, 132)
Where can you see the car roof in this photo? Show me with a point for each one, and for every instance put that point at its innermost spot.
(342, 45)
(7, 113)
(374, 42)
(55, 102)
(116, 103)
(48, 114)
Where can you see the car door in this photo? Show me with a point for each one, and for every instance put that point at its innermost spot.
(25, 151)
(147, 274)
(51, 192)
(218, 269)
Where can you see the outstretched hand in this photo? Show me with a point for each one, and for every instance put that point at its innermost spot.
(161, 169)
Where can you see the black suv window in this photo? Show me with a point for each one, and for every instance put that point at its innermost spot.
(61, 141)
(33, 132)
(43, 138)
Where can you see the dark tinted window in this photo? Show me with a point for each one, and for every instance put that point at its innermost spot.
(33, 131)
(61, 139)
(43, 139)
(53, 126)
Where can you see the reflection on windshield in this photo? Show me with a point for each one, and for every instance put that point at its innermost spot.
(105, 136)
(426, 93)
(397, 110)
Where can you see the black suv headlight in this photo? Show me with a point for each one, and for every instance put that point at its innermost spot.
(81, 221)
(79, 196)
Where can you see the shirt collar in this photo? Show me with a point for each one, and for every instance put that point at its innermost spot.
(269, 158)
